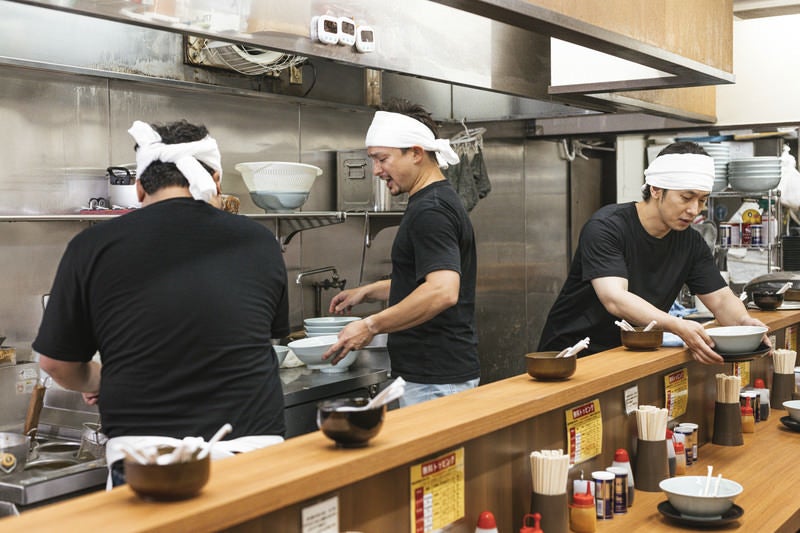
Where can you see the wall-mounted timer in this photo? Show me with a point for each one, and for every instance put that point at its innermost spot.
(325, 29)
(365, 39)
(347, 31)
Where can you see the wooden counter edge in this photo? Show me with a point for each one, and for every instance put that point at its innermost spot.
(256, 483)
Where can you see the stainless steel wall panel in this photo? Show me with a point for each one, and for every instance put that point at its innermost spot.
(500, 237)
(545, 231)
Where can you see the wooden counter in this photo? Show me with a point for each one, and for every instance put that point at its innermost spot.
(766, 466)
(498, 424)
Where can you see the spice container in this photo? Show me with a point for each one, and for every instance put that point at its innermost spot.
(691, 440)
(748, 420)
(620, 492)
(680, 459)
(603, 494)
(622, 460)
(763, 398)
(582, 516)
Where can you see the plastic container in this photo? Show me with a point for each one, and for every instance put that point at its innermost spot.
(536, 517)
(486, 523)
(680, 459)
(748, 420)
(621, 459)
(582, 515)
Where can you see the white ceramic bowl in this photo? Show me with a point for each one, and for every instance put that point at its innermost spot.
(793, 407)
(685, 493)
(278, 176)
(281, 352)
(736, 339)
(329, 321)
(311, 349)
(330, 330)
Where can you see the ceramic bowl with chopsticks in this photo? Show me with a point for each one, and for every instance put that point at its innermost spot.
(167, 482)
(767, 300)
(545, 366)
(686, 494)
(642, 340)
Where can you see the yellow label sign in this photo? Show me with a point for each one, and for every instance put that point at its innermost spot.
(437, 492)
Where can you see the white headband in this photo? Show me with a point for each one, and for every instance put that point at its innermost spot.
(186, 156)
(684, 172)
(396, 130)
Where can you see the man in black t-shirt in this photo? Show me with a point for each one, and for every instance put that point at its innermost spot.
(632, 260)
(431, 315)
(180, 299)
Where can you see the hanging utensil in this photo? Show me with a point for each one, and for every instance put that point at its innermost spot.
(34, 410)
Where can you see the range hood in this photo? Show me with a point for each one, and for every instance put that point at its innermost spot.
(494, 47)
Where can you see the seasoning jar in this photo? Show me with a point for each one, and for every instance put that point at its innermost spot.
(582, 515)
(748, 420)
(680, 459)
(531, 529)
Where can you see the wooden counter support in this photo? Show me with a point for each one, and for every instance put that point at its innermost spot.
(498, 425)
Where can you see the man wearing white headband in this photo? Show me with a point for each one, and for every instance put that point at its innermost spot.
(181, 300)
(633, 259)
(431, 294)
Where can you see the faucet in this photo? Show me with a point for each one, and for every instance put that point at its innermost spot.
(333, 283)
(319, 270)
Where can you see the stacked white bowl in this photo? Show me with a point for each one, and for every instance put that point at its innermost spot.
(754, 174)
(721, 153)
(327, 325)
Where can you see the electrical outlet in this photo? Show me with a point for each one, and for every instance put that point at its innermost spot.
(295, 75)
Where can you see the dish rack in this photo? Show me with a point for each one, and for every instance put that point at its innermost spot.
(244, 59)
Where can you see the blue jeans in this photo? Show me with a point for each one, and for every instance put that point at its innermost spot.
(422, 392)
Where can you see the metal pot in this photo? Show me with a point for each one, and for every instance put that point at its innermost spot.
(14, 449)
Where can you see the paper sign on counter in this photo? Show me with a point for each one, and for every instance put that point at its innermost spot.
(676, 393)
(437, 492)
(584, 431)
(322, 517)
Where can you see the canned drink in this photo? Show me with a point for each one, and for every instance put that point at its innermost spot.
(756, 235)
(620, 489)
(603, 494)
(725, 235)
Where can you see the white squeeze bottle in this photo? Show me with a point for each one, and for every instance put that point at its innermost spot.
(621, 459)
(486, 523)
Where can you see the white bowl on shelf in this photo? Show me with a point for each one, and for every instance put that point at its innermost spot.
(311, 349)
(330, 321)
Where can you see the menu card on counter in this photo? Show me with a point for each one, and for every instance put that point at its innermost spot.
(584, 431)
(437, 492)
(676, 392)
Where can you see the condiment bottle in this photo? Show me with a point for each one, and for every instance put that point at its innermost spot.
(748, 420)
(528, 529)
(582, 515)
(763, 403)
(671, 453)
(486, 523)
(680, 459)
(621, 459)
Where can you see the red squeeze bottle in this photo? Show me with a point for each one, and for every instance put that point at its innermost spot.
(535, 529)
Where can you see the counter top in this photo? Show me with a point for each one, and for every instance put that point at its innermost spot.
(769, 498)
(253, 484)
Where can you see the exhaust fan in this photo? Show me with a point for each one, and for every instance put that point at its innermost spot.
(241, 58)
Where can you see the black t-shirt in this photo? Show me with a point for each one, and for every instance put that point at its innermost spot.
(181, 300)
(614, 243)
(435, 234)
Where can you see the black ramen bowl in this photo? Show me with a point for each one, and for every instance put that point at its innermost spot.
(767, 300)
(348, 428)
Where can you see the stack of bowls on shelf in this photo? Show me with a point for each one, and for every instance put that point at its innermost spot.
(754, 174)
(721, 153)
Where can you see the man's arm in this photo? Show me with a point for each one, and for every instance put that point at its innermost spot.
(615, 297)
(346, 300)
(438, 292)
(77, 376)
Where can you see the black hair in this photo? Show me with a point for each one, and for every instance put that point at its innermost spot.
(681, 147)
(159, 174)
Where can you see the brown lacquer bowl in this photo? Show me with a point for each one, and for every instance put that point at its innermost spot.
(545, 366)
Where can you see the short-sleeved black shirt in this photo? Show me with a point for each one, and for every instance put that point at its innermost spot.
(181, 300)
(435, 234)
(614, 243)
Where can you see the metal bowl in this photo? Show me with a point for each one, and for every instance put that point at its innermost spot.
(642, 340)
(545, 366)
